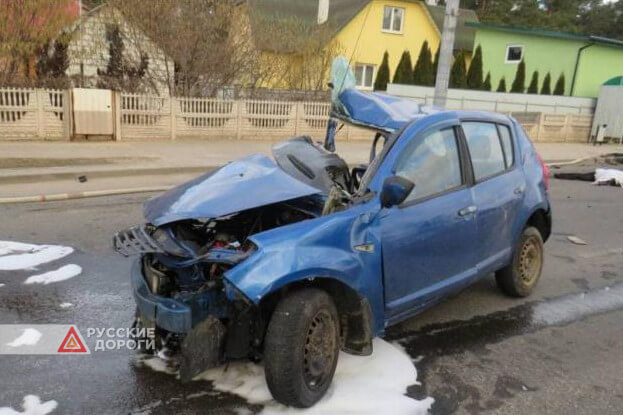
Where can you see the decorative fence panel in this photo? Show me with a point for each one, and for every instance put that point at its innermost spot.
(204, 118)
(555, 127)
(32, 113)
(54, 123)
(144, 116)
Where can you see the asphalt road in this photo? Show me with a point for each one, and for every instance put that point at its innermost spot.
(557, 352)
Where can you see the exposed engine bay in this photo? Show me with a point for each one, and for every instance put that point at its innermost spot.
(185, 260)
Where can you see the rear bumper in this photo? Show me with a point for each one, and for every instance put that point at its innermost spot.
(169, 314)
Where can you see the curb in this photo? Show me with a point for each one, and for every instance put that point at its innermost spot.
(82, 195)
(40, 177)
(569, 162)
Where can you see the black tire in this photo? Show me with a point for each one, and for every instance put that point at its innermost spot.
(519, 278)
(301, 348)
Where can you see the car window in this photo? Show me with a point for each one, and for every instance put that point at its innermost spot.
(484, 148)
(507, 143)
(431, 163)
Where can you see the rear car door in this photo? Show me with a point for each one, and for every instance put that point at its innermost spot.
(497, 192)
(428, 240)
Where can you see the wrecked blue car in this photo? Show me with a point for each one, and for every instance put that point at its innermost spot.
(291, 260)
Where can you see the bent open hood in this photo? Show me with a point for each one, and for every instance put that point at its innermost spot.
(240, 185)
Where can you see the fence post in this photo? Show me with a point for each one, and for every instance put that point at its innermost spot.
(540, 126)
(68, 115)
(567, 127)
(173, 105)
(300, 109)
(239, 104)
(40, 114)
(116, 96)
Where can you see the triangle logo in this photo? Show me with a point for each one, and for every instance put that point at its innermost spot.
(72, 343)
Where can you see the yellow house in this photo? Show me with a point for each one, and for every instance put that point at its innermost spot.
(361, 30)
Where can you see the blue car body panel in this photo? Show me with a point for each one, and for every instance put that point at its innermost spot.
(324, 247)
(378, 111)
(414, 255)
(240, 185)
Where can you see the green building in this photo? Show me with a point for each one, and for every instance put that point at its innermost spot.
(586, 61)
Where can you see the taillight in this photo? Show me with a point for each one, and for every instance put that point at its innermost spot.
(545, 170)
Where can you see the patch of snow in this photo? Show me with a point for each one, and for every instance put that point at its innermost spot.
(65, 305)
(63, 273)
(32, 406)
(155, 363)
(16, 255)
(146, 410)
(362, 384)
(200, 394)
(569, 308)
(29, 337)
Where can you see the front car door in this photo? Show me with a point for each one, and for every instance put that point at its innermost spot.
(428, 241)
(498, 190)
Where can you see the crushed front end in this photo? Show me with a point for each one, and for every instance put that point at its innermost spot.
(179, 286)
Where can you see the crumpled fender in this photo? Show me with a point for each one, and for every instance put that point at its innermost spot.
(322, 247)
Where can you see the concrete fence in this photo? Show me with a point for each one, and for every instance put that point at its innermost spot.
(47, 115)
(144, 116)
(466, 99)
(34, 114)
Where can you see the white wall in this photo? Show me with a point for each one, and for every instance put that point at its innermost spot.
(90, 47)
(609, 111)
(497, 101)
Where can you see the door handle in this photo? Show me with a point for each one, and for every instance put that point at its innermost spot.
(519, 190)
(468, 211)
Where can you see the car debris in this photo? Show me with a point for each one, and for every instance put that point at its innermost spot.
(576, 240)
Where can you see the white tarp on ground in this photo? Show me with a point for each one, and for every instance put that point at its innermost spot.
(603, 176)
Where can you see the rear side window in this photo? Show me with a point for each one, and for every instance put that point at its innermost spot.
(432, 163)
(507, 143)
(485, 149)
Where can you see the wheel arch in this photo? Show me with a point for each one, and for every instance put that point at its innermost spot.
(542, 221)
(355, 314)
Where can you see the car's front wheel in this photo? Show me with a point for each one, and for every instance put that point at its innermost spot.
(519, 278)
(301, 347)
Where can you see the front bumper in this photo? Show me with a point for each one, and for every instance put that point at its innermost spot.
(166, 313)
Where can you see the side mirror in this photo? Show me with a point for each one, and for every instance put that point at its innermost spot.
(395, 191)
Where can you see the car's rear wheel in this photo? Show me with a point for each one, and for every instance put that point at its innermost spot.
(520, 277)
(301, 347)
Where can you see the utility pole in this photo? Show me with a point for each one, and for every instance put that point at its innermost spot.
(445, 55)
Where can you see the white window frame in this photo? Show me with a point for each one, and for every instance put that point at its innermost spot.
(391, 20)
(365, 67)
(508, 49)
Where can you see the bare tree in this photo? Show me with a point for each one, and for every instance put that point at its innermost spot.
(296, 54)
(26, 26)
(216, 44)
(206, 39)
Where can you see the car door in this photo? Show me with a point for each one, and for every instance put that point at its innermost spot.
(427, 241)
(497, 192)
